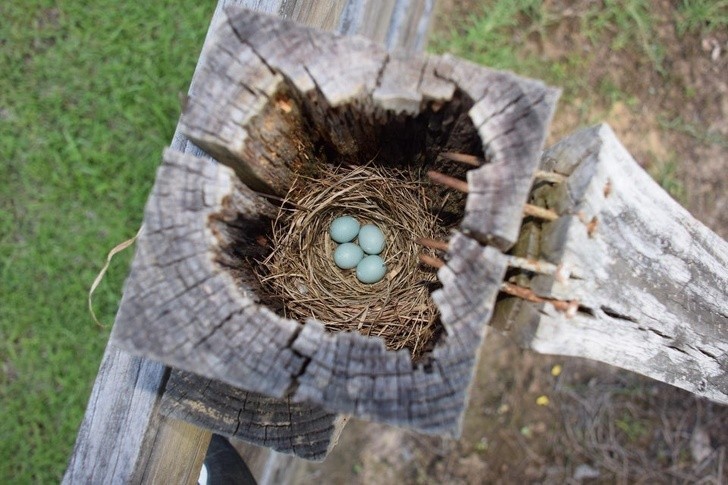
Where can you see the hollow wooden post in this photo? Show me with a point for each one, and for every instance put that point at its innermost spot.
(122, 427)
(270, 94)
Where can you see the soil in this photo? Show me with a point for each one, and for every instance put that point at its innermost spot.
(544, 419)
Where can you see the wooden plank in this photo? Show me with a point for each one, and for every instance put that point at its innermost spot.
(651, 281)
(176, 455)
(121, 419)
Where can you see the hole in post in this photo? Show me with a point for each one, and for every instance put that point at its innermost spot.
(321, 162)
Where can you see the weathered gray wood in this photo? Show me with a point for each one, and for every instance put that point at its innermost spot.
(264, 82)
(121, 424)
(121, 419)
(229, 337)
(651, 281)
(308, 447)
(297, 428)
(511, 115)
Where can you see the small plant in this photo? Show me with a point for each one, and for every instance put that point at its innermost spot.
(634, 429)
(665, 174)
(701, 15)
(628, 25)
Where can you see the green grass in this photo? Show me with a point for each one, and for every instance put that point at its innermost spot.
(625, 25)
(496, 36)
(88, 100)
(666, 174)
(702, 15)
(493, 35)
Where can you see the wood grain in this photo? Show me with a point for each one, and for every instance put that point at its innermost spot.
(237, 341)
(266, 97)
(651, 281)
(121, 420)
(176, 454)
(299, 429)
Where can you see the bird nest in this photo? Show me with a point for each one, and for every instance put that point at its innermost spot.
(300, 271)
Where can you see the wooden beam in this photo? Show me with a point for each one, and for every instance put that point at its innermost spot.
(177, 453)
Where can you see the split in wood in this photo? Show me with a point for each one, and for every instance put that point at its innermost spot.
(462, 186)
(558, 271)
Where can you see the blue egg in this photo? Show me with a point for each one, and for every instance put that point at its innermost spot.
(371, 239)
(344, 229)
(371, 269)
(348, 255)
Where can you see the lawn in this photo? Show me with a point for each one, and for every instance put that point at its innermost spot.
(88, 100)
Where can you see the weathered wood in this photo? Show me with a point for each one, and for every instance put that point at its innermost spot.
(297, 428)
(121, 419)
(272, 92)
(120, 426)
(176, 455)
(229, 337)
(509, 113)
(650, 280)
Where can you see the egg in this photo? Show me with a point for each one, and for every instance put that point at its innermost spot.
(371, 269)
(371, 239)
(348, 255)
(344, 229)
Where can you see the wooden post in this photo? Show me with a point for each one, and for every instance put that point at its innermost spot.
(649, 282)
(122, 429)
(270, 93)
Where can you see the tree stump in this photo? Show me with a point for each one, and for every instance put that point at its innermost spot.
(274, 97)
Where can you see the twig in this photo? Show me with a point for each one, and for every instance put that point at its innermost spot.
(568, 307)
(432, 243)
(540, 212)
(448, 181)
(462, 186)
(431, 261)
(560, 273)
(471, 160)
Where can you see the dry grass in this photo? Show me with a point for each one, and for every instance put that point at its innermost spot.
(301, 272)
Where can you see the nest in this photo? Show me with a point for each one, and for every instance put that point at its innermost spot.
(301, 274)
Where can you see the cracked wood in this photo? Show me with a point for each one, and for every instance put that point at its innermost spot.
(651, 280)
(121, 424)
(267, 95)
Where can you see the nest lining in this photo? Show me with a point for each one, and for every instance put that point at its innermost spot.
(300, 271)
